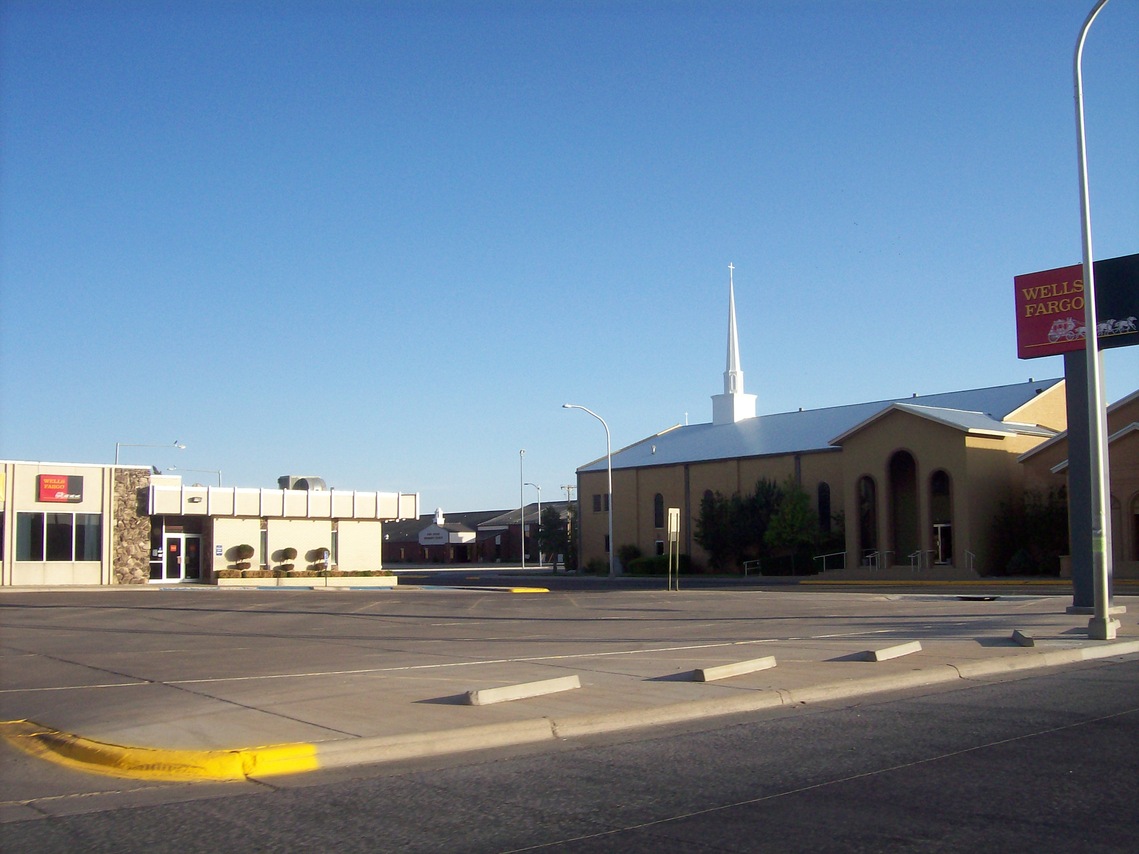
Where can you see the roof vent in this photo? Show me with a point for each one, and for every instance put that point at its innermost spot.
(304, 482)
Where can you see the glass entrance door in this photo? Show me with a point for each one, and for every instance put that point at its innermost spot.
(182, 558)
(942, 542)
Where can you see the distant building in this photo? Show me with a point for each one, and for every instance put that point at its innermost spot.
(917, 480)
(480, 537)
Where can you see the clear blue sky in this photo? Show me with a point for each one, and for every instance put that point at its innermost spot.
(384, 242)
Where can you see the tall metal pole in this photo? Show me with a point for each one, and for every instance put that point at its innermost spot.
(609, 482)
(1101, 626)
(522, 504)
(538, 534)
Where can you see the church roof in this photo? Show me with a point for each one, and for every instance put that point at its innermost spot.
(817, 429)
(977, 423)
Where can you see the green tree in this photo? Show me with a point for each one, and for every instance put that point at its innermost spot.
(794, 527)
(554, 534)
(713, 529)
(759, 509)
(731, 529)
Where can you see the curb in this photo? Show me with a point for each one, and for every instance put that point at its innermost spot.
(86, 754)
(273, 760)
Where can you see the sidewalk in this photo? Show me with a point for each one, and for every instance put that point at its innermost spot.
(212, 684)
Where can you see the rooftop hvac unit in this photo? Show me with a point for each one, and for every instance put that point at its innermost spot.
(306, 482)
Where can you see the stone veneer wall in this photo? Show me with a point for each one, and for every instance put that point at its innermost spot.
(130, 537)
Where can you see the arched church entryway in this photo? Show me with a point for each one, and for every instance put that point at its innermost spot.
(941, 513)
(905, 530)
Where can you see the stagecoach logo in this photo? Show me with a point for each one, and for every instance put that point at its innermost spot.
(60, 488)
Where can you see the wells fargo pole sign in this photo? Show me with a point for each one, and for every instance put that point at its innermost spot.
(1050, 312)
(1050, 308)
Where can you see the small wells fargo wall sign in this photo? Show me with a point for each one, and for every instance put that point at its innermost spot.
(59, 488)
(1050, 308)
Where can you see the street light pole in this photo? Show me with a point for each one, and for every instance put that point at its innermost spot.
(609, 481)
(522, 504)
(538, 536)
(1101, 626)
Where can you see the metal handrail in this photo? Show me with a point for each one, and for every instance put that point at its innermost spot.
(823, 558)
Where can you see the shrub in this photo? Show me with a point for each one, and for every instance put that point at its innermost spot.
(597, 566)
(656, 565)
(628, 553)
(240, 555)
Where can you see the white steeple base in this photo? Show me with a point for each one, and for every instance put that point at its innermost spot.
(730, 408)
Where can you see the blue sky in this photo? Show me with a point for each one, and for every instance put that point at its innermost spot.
(383, 243)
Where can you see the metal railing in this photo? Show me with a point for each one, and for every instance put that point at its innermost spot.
(917, 559)
(823, 558)
(876, 558)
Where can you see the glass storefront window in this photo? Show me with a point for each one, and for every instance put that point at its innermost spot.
(29, 536)
(88, 536)
(60, 540)
(58, 536)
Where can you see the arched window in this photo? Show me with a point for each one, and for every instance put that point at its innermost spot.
(658, 510)
(824, 504)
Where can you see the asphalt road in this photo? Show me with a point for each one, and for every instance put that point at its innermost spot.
(1041, 763)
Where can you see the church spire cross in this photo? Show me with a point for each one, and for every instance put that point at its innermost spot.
(733, 405)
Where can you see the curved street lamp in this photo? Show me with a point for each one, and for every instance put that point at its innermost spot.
(1101, 626)
(609, 482)
(178, 445)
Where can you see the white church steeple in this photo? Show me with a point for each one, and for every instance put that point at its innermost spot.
(733, 405)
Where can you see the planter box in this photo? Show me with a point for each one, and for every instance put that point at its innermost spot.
(312, 581)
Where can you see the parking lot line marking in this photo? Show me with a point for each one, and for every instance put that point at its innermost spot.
(443, 665)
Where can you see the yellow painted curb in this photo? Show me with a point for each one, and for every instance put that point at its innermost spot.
(154, 763)
(529, 590)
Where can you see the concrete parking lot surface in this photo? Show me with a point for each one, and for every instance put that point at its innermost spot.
(202, 683)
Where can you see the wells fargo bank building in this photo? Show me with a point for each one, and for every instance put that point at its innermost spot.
(86, 524)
